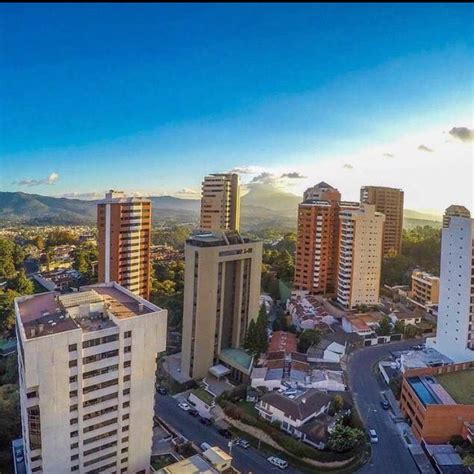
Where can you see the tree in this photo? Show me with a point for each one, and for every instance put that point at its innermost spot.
(410, 331)
(399, 327)
(21, 284)
(251, 338)
(7, 261)
(7, 310)
(344, 438)
(80, 262)
(385, 327)
(308, 338)
(338, 403)
(39, 242)
(262, 330)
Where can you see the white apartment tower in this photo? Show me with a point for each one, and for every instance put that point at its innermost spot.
(360, 255)
(87, 363)
(455, 330)
(220, 202)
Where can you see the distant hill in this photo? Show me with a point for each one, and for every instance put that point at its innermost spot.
(262, 207)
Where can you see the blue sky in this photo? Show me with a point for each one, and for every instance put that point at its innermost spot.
(149, 98)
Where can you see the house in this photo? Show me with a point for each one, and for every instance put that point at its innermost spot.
(326, 351)
(362, 324)
(307, 311)
(405, 318)
(317, 431)
(292, 413)
(282, 341)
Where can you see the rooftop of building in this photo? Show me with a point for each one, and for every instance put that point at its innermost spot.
(89, 310)
(427, 357)
(282, 341)
(300, 407)
(192, 465)
(460, 385)
(237, 358)
(114, 197)
(217, 238)
(424, 275)
(217, 456)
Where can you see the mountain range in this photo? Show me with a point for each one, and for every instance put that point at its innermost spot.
(262, 207)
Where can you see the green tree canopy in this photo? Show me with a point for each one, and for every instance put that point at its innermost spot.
(251, 342)
(307, 338)
(344, 438)
(385, 327)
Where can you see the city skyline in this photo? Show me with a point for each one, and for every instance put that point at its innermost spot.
(386, 105)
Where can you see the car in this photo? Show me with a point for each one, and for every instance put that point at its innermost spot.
(193, 412)
(205, 421)
(162, 391)
(373, 436)
(281, 463)
(226, 433)
(243, 443)
(184, 406)
(19, 457)
(385, 405)
(205, 446)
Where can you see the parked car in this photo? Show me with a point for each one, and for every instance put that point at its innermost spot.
(226, 433)
(281, 463)
(162, 390)
(205, 421)
(193, 412)
(184, 406)
(385, 405)
(243, 443)
(205, 446)
(373, 436)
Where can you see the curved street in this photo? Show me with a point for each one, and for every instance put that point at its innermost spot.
(390, 455)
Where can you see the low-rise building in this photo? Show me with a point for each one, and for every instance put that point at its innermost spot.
(424, 289)
(422, 359)
(293, 413)
(282, 341)
(439, 401)
(307, 311)
(405, 318)
(362, 324)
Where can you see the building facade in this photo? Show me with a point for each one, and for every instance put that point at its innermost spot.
(87, 363)
(220, 202)
(317, 237)
(221, 297)
(388, 201)
(455, 328)
(124, 226)
(454, 211)
(436, 408)
(424, 289)
(360, 256)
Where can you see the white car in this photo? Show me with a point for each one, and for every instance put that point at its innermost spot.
(184, 406)
(373, 436)
(281, 463)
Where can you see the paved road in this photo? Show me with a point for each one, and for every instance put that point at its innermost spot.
(389, 455)
(245, 460)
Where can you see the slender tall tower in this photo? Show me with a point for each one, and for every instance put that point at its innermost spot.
(124, 225)
(220, 202)
(87, 364)
(317, 240)
(388, 201)
(360, 256)
(455, 329)
(221, 297)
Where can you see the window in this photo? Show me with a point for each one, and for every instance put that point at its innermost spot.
(73, 393)
(99, 386)
(74, 457)
(73, 363)
(72, 347)
(73, 379)
(126, 378)
(127, 363)
(100, 340)
(74, 445)
(127, 349)
(125, 404)
(74, 434)
(73, 421)
(125, 428)
(99, 425)
(75, 468)
(101, 356)
(126, 416)
(124, 450)
(126, 391)
(127, 334)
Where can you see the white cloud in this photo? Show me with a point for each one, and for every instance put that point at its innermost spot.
(52, 178)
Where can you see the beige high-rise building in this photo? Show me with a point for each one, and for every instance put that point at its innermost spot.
(124, 225)
(360, 256)
(87, 364)
(221, 297)
(220, 202)
(454, 211)
(388, 201)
